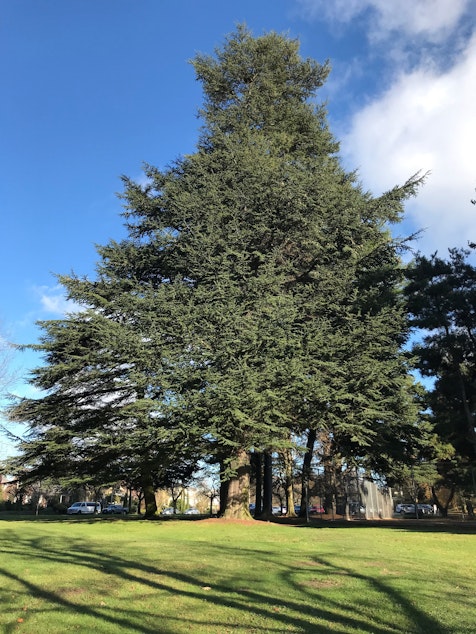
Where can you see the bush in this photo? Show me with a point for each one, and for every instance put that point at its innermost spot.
(58, 507)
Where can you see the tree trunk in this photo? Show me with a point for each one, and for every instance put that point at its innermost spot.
(257, 458)
(149, 497)
(306, 470)
(267, 512)
(224, 486)
(238, 495)
(346, 495)
(329, 474)
(469, 507)
(443, 508)
(289, 482)
(175, 497)
(140, 497)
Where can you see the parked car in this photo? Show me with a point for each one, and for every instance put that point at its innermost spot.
(115, 509)
(192, 511)
(80, 508)
(311, 509)
(316, 509)
(409, 509)
(169, 510)
(297, 509)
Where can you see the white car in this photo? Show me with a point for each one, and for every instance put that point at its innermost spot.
(115, 509)
(80, 508)
(409, 509)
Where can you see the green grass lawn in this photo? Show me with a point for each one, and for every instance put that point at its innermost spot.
(111, 575)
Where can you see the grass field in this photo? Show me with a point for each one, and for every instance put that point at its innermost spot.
(109, 575)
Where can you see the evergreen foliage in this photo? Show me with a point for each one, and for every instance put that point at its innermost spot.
(257, 293)
(442, 302)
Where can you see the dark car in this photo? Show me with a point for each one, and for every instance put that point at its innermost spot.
(115, 509)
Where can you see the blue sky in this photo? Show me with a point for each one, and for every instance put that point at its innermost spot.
(92, 89)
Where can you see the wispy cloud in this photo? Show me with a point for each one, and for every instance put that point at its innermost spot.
(54, 302)
(432, 19)
(397, 38)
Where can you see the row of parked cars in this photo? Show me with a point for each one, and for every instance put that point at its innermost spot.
(93, 508)
(278, 510)
(409, 509)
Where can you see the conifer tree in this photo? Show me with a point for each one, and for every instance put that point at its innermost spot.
(257, 290)
(442, 301)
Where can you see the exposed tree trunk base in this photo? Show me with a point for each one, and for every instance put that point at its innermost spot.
(149, 500)
(265, 516)
(443, 508)
(238, 494)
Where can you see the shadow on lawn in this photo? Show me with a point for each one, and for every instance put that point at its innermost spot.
(311, 604)
(437, 525)
(422, 525)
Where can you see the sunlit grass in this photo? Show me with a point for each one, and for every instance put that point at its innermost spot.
(115, 575)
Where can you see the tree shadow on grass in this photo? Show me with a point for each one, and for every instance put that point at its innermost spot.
(295, 606)
(467, 527)
(422, 525)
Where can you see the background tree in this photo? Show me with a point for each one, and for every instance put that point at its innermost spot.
(442, 302)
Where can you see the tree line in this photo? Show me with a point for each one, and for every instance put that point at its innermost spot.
(258, 304)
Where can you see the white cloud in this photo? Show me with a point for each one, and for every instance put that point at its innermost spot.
(53, 301)
(432, 19)
(425, 121)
